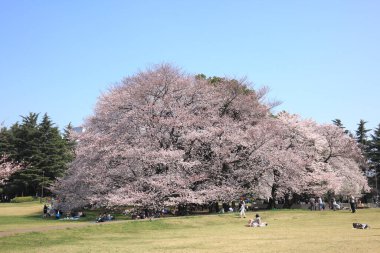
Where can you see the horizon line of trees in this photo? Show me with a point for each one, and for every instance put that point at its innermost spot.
(17, 155)
(45, 153)
(370, 147)
(41, 152)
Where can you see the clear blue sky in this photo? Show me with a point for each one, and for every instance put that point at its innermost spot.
(321, 58)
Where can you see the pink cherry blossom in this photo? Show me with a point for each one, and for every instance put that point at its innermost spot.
(163, 137)
(7, 168)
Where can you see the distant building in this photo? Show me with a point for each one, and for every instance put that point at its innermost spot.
(78, 130)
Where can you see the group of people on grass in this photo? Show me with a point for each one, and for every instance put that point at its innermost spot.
(103, 217)
(314, 205)
(49, 211)
(147, 213)
(254, 222)
(319, 204)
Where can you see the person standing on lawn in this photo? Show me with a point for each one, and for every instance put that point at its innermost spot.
(242, 208)
(352, 204)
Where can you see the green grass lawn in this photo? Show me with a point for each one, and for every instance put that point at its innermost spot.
(21, 216)
(28, 216)
(288, 231)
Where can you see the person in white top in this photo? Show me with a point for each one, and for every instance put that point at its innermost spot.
(321, 204)
(335, 205)
(242, 209)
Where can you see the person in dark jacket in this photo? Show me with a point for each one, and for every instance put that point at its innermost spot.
(353, 204)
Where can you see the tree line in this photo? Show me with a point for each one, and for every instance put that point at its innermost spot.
(369, 144)
(41, 152)
(163, 137)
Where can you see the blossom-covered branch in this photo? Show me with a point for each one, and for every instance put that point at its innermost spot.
(7, 168)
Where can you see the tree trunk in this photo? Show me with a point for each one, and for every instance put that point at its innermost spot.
(213, 207)
(182, 210)
(217, 207)
(288, 201)
(272, 199)
(226, 207)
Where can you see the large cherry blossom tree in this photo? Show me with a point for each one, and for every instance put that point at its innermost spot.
(163, 137)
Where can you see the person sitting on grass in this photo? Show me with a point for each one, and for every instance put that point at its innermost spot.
(335, 205)
(58, 215)
(109, 217)
(101, 218)
(256, 222)
(360, 225)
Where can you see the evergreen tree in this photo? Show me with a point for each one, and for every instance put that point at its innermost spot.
(374, 155)
(5, 136)
(52, 151)
(375, 147)
(212, 80)
(26, 149)
(362, 139)
(41, 148)
(70, 144)
(339, 124)
(67, 132)
(361, 134)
